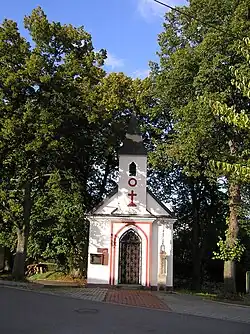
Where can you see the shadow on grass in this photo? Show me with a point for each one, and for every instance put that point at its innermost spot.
(8, 277)
(240, 299)
(49, 275)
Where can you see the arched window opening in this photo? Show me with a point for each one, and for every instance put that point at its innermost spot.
(132, 169)
(130, 236)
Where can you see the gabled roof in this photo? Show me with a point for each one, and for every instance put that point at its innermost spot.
(115, 190)
(109, 196)
(171, 214)
(133, 143)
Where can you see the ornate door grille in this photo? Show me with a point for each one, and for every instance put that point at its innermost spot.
(130, 258)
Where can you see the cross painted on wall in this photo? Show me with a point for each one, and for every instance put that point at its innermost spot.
(132, 195)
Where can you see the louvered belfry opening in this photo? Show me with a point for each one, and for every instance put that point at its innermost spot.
(132, 169)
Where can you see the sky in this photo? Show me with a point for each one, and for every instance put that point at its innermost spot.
(127, 29)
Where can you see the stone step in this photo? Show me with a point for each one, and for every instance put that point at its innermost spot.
(132, 287)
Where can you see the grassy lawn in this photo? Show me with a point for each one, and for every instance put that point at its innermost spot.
(8, 277)
(51, 275)
(54, 276)
(235, 299)
(4, 276)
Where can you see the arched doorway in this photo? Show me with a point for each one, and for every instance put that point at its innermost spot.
(130, 258)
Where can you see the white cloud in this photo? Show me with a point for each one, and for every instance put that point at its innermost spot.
(113, 61)
(150, 9)
(141, 74)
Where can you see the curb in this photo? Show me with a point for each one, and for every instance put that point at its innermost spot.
(225, 303)
(161, 296)
(58, 284)
(215, 301)
(20, 284)
(41, 284)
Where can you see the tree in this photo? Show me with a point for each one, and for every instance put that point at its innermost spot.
(63, 121)
(41, 91)
(195, 60)
(236, 170)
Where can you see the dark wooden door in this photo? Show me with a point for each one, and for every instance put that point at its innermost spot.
(130, 258)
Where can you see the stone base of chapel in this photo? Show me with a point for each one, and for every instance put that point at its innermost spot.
(158, 287)
(161, 287)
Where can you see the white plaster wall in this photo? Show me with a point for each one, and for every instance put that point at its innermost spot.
(99, 237)
(154, 255)
(170, 259)
(140, 189)
(119, 227)
(168, 241)
(100, 234)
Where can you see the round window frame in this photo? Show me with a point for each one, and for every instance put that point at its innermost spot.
(134, 180)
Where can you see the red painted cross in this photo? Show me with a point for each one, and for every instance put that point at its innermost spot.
(132, 195)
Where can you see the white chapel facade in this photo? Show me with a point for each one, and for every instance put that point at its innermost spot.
(131, 231)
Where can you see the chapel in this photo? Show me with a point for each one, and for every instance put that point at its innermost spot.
(131, 231)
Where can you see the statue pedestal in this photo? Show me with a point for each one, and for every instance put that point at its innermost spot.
(162, 276)
(161, 285)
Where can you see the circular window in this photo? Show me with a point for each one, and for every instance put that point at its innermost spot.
(132, 182)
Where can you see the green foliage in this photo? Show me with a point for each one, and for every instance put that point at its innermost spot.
(228, 252)
(237, 119)
(239, 171)
(239, 168)
(199, 63)
(58, 223)
(46, 93)
(62, 120)
(45, 97)
(229, 115)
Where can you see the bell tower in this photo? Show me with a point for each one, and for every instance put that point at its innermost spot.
(132, 184)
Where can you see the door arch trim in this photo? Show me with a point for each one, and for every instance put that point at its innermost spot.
(117, 234)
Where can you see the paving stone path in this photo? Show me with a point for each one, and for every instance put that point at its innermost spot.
(135, 298)
(93, 294)
(122, 297)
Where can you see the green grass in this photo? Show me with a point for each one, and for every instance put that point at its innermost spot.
(240, 299)
(233, 299)
(49, 275)
(8, 277)
(4, 276)
(55, 275)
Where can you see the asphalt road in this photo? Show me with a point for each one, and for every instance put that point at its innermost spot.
(24, 312)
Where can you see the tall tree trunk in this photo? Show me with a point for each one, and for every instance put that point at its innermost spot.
(233, 229)
(196, 256)
(18, 271)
